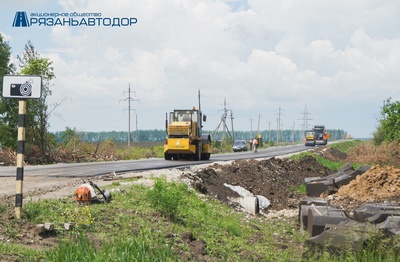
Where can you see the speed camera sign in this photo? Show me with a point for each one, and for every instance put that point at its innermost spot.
(22, 86)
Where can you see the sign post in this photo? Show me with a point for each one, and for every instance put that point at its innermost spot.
(23, 87)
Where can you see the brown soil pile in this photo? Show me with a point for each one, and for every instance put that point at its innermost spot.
(375, 185)
(277, 179)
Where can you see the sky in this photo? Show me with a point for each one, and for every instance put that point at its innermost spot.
(333, 63)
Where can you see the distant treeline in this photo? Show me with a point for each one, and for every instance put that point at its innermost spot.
(157, 135)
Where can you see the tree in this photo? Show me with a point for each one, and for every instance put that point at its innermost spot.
(389, 126)
(68, 135)
(37, 117)
(8, 129)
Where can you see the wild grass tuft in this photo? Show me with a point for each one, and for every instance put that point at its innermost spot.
(166, 197)
(134, 248)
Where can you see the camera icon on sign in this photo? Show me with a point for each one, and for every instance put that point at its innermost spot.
(24, 89)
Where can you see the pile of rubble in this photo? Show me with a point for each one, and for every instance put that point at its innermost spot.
(362, 209)
(349, 207)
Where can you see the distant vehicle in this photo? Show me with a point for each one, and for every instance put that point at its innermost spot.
(321, 136)
(239, 145)
(310, 138)
(316, 136)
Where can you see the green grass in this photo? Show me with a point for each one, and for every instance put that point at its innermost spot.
(301, 189)
(134, 248)
(346, 145)
(333, 165)
(14, 252)
(133, 227)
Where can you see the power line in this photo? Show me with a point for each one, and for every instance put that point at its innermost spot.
(130, 99)
(278, 124)
(305, 118)
(225, 128)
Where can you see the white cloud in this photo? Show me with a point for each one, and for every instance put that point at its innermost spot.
(341, 59)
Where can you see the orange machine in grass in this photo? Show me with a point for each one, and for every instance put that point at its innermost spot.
(85, 194)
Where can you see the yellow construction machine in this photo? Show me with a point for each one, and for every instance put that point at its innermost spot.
(309, 138)
(184, 135)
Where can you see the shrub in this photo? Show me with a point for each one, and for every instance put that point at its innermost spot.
(166, 197)
(369, 153)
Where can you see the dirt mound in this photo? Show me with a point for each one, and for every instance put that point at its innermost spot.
(331, 154)
(377, 184)
(277, 179)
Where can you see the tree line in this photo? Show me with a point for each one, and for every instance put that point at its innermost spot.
(159, 135)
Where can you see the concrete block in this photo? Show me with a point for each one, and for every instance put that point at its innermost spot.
(367, 210)
(48, 226)
(316, 188)
(320, 216)
(68, 226)
(250, 204)
(39, 229)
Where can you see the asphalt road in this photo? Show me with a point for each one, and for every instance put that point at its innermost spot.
(101, 168)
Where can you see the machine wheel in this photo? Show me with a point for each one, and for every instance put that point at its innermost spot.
(167, 156)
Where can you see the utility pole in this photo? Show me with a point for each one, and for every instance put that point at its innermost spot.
(293, 133)
(224, 126)
(278, 125)
(305, 118)
(136, 138)
(251, 128)
(130, 99)
(277, 131)
(233, 132)
(269, 131)
(224, 120)
(258, 126)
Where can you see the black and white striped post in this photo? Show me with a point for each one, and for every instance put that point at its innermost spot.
(20, 158)
(22, 87)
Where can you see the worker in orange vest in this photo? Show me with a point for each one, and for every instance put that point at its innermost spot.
(255, 144)
(251, 144)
